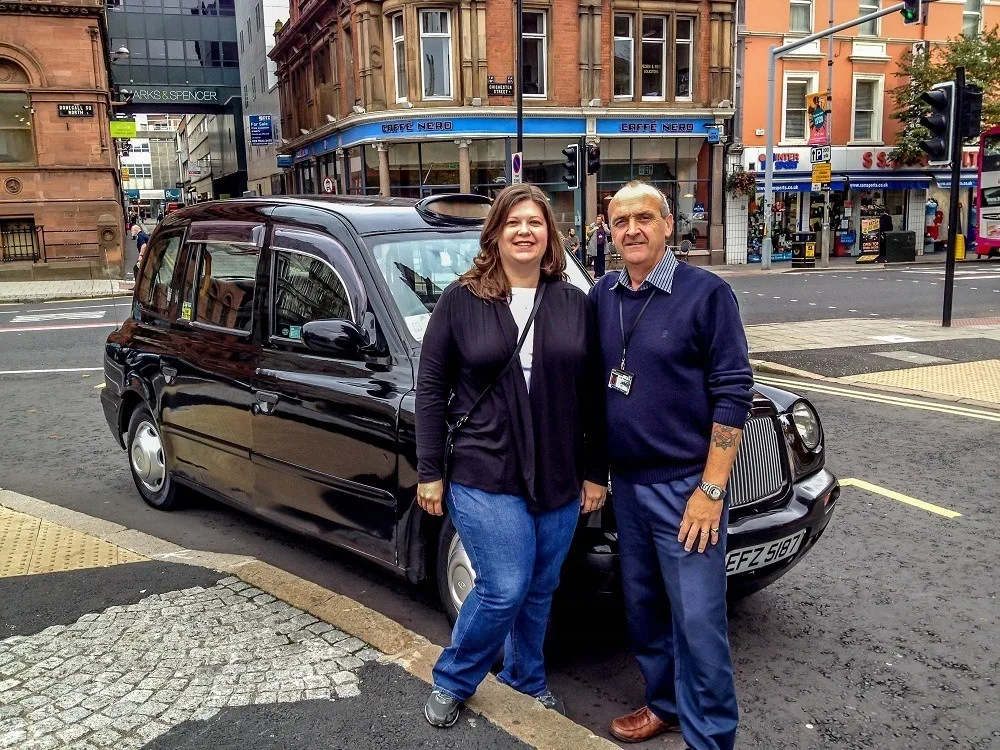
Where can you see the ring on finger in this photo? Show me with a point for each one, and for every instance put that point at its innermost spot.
(715, 531)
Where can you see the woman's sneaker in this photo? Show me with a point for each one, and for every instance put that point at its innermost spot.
(441, 710)
(551, 702)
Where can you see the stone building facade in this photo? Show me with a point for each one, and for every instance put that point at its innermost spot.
(60, 195)
(411, 98)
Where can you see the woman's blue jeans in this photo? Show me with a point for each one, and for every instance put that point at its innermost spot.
(517, 556)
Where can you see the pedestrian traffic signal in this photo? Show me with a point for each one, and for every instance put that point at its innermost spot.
(972, 111)
(911, 11)
(939, 121)
(571, 167)
(593, 158)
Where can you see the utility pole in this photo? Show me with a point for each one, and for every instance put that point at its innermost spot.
(519, 76)
(956, 177)
(826, 241)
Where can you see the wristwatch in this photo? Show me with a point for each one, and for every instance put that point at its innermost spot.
(714, 491)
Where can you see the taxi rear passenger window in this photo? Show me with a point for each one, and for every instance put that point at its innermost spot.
(155, 293)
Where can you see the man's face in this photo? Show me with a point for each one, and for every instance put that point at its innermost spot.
(135, 230)
(638, 229)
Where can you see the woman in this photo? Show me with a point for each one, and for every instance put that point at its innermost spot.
(518, 470)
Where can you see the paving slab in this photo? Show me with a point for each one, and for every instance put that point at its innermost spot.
(979, 381)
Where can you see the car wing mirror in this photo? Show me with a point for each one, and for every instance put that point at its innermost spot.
(341, 337)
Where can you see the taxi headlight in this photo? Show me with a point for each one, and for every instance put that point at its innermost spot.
(807, 424)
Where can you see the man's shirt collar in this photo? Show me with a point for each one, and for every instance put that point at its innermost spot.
(661, 277)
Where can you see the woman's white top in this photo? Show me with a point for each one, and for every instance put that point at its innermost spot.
(521, 302)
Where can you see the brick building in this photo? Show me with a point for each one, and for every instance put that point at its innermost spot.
(410, 99)
(60, 198)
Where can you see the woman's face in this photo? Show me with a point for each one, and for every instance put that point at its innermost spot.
(525, 235)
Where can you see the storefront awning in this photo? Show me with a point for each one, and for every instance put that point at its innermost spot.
(907, 182)
(799, 185)
(967, 181)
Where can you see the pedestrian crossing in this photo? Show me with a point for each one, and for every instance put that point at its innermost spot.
(45, 317)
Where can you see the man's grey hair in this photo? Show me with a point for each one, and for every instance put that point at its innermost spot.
(644, 188)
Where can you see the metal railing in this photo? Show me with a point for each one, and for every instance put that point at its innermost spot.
(18, 241)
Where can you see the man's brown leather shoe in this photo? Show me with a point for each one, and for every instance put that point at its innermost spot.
(640, 725)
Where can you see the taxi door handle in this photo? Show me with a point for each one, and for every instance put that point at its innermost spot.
(169, 373)
(266, 401)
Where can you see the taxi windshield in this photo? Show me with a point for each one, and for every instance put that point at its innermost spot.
(417, 267)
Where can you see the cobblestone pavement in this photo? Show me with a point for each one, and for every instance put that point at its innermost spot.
(128, 674)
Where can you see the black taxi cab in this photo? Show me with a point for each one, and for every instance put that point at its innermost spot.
(270, 362)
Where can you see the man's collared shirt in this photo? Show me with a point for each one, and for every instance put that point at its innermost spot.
(661, 277)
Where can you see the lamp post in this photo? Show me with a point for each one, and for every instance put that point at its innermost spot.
(519, 75)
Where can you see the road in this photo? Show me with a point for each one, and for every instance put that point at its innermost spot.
(883, 637)
(909, 293)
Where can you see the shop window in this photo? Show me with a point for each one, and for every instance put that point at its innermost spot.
(684, 59)
(487, 166)
(624, 56)
(972, 18)
(800, 16)
(435, 53)
(654, 54)
(533, 53)
(399, 55)
(867, 112)
(794, 124)
(16, 143)
(404, 170)
(869, 28)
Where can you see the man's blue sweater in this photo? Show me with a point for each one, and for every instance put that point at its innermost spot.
(691, 367)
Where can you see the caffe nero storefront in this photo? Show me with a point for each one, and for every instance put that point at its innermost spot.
(418, 156)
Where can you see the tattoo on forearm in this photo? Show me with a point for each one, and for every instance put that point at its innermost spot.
(725, 437)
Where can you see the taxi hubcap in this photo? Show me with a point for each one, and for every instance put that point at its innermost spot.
(147, 457)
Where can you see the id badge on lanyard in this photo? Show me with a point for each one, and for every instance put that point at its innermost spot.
(621, 379)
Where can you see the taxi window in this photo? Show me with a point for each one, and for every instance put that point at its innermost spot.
(155, 293)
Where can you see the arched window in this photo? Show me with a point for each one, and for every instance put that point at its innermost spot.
(16, 143)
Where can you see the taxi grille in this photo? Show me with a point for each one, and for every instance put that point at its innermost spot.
(759, 471)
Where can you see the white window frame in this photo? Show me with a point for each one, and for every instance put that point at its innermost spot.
(631, 40)
(450, 95)
(811, 77)
(977, 13)
(398, 49)
(690, 45)
(544, 36)
(812, 16)
(663, 57)
(864, 8)
(877, 103)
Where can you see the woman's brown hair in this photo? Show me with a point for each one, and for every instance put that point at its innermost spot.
(486, 279)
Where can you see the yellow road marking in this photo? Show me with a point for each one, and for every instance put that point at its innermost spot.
(963, 411)
(874, 488)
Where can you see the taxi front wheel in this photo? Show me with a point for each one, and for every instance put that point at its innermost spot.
(146, 461)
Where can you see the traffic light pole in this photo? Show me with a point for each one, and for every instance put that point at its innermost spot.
(519, 75)
(956, 177)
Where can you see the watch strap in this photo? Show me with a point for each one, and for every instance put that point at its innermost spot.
(714, 491)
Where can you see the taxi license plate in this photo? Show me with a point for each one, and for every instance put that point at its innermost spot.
(752, 558)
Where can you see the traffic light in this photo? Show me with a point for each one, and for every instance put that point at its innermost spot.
(910, 11)
(571, 167)
(972, 111)
(593, 158)
(939, 121)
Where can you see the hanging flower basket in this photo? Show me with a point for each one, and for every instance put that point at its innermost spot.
(741, 182)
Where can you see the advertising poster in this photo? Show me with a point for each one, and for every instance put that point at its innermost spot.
(817, 115)
(870, 236)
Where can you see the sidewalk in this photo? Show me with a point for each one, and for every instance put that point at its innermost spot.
(961, 363)
(12, 292)
(113, 638)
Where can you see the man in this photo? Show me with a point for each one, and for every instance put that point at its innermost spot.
(141, 240)
(600, 242)
(679, 380)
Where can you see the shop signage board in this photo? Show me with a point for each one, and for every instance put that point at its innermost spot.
(284, 161)
(122, 128)
(75, 110)
(126, 175)
(261, 132)
(179, 94)
(870, 235)
(495, 88)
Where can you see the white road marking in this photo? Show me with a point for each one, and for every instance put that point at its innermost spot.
(81, 307)
(88, 299)
(84, 315)
(26, 329)
(53, 370)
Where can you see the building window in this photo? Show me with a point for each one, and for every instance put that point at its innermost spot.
(654, 57)
(242, 48)
(533, 53)
(972, 18)
(869, 28)
(263, 78)
(801, 16)
(435, 53)
(624, 56)
(249, 33)
(253, 88)
(867, 112)
(399, 54)
(794, 125)
(246, 96)
(259, 13)
(16, 144)
(683, 45)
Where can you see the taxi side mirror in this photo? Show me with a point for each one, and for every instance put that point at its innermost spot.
(341, 337)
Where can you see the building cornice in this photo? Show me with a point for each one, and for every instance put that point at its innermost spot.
(72, 9)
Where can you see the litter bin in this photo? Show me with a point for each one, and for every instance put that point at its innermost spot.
(804, 246)
(900, 247)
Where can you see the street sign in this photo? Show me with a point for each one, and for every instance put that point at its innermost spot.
(261, 133)
(822, 172)
(125, 174)
(819, 154)
(497, 88)
(515, 168)
(75, 110)
(327, 184)
(123, 128)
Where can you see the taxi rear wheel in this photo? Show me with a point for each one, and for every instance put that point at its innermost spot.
(455, 575)
(146, 461)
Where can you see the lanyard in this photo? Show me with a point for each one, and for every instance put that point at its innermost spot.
(621, 320)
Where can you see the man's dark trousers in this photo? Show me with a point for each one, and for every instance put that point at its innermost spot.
(675, 602)
(599, 260)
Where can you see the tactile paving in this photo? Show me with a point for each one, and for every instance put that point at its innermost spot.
(979, 381)
(30, 545)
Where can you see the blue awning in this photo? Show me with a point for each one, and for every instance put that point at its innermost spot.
(890, 183)
(798, 185)
(966, 182)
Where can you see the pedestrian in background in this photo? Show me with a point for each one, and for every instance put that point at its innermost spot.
(600, 243)
(510, 367)
(571, 243)
(141, 241)
(676, 362)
